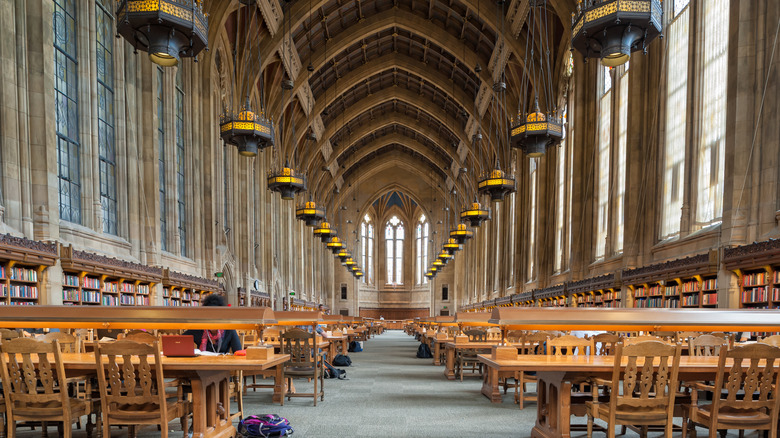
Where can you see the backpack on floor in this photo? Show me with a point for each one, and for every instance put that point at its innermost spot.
(424, 351)
(342, 361)
(355, 347)
(264, 426)
(332, 372)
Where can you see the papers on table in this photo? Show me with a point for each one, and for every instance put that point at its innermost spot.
(207, 353)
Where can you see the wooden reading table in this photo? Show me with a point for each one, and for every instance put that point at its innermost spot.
(209, 375)
(555, 373)
(451, 348)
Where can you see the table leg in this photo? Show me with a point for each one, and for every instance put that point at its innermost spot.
(211, 405)
(490, 385)
(436, 353)
(279, 384)
(344, 347)
(449, 368)
(553, 413)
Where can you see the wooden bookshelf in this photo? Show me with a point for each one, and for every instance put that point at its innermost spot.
(553, 296)
(689, 282)
(758, 270)
(22, 264)
(92, 280)
(181, 289)
(601, 291)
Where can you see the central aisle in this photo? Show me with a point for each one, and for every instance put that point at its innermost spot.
(390, 392)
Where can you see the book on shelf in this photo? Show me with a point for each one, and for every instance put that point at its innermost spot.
(90, 296)
(755, 295)
(2, 272)
(90, 283)
(671, 290)
(710, 284)
(709, 299)
(23, 274)
(690, 300)
(690, 286)
(71, 280)
(70, 295)
(143, 289)
(109, 300)
(655, 291)
(126, 288)
(640, 292)
(24, 291)
(754, 279)
(110, 287)
(776, 276)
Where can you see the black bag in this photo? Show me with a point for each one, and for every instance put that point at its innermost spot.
(424, 352)
(342, 361)
(334, 373)
(354, 347)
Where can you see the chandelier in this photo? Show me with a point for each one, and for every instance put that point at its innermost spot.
(430, 274)
(334, 244)
(534, 130)
(286, 182)
(445, 257)
(461, 233)
(452, 246)
(343, 254)
(167, 29)
(357, 273)
(349, 263)
(475, 215)
(613, 29)
(324, 232)
(247, 130)
(497, 184)
(310, 213)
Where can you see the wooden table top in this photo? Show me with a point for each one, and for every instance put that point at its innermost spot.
(487, 344)
(586, 363)
(86, 361)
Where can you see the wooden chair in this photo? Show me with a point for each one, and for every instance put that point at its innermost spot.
(466, 359)
(645, 338)
(605, 343)
(305, 361)
(132, 389)
(568, 345)
(730, 409)
(37, 393)
(706, 345)
(773, 340)
(682, 337)
(643, 393)
(6, 334)
(141, 337)
(533, 343)
(68, 343)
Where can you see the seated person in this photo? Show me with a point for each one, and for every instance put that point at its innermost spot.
(216, 341)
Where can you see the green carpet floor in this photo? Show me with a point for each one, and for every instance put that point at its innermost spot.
(390, 393)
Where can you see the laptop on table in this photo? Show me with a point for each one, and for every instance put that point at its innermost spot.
(178, 346)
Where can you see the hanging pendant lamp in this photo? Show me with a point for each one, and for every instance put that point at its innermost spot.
(612, 30)
(497, 184)
(476, 214)
(343, 254)
(247, 130)
(445, 257)
(310, 213)
(462, 233)
(286, 182)
(334, 244)
(167, 29)
(452, 246)
(324, 231)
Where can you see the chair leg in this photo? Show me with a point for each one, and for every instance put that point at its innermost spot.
(590, 426)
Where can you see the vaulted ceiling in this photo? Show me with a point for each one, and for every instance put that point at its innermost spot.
(373, 79)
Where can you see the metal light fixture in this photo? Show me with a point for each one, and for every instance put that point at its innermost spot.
(343, 254)
(438, 264)
(286, 182)
(444, 256)
(476, 214)
(324, 231)
(497, 184)
(310, 212)
(430, 274)
(612, 29)
(349, 262)
(168, 29)
(334, 244)
(461, 233)
(247, 130)
(537, 127)
(452, 246)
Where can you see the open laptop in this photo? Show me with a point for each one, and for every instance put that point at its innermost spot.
(178, 346)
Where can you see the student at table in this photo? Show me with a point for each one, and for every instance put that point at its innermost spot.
(216, 341)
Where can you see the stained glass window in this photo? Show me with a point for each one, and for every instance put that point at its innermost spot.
(394, 241)
(161, 159)
(367, 246)
(105, 96)
(66, 110)
(421, 242)
(181, 195)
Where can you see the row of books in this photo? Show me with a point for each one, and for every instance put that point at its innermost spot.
(690, 286)
(609, 296)
(690, 300)
(650, 303)
(757, 294)
(754, 279)
(672, 290)
(23, 274)
(71, 280)
(23, 291)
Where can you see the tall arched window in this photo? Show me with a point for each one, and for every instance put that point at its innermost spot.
(394, 244)
(421, 242)
(367, 248)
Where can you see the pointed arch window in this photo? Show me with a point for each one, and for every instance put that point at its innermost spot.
(367, 248)
(105, 121)
(394, 247)
(421, 245)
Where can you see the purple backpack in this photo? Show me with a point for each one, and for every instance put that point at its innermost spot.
(257, 426)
